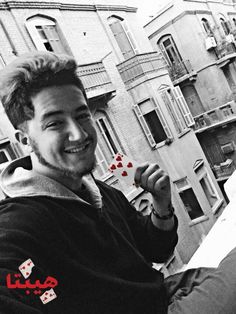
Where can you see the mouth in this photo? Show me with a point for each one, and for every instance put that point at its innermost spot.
(78, 148)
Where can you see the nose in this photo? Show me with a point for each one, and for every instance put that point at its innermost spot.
(76, 132)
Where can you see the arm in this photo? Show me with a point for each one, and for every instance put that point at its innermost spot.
(154, 243)
(160, 235)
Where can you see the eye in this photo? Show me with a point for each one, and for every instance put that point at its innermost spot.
(83, 116)
(54, 124)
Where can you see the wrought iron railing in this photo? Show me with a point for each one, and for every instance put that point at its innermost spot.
(179, 68)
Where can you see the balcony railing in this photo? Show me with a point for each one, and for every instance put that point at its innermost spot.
(179, 69)
(215, 117)
(224, 49)
(224, 169)
(95, 79)
(140, 65)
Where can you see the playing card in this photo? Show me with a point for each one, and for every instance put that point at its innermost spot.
(48, 296)
(26, 268)
(123, 168)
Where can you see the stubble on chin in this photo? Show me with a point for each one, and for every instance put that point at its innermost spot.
(62, 171)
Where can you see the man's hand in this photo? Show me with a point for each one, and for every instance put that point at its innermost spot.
(156, 181)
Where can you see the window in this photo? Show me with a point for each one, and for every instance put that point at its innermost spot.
(45, 35)
(207, 27)
(152, 122)
(189, 199)
(169, 50)
(107, 146)
(225, 26)
(108, 135)
(123, 37)
(178, 108)
(207, 185)
(4, 156)
(234, 21)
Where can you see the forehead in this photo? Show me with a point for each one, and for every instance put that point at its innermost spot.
(65, 98)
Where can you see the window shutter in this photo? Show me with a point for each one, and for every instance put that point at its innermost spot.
(174, 112)
(163, 50)
(122, 39)
(101, 161)
(35, 36)
(53, 38)
(144, 125)
(128, 33)
(183, 107)
(162, 120)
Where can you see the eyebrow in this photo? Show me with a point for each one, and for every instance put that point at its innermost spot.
(49, 114)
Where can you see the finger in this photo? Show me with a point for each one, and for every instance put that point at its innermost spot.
(152, 169)
(153, 178)
(139, 170)
(162, 184)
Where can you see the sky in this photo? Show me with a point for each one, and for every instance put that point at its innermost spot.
(147, 8)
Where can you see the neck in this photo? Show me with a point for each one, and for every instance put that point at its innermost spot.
(71, 182)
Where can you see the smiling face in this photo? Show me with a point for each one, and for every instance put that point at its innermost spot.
(62, 133)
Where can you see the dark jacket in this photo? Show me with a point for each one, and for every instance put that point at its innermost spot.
(100, 254)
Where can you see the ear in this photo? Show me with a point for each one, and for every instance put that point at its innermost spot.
(23, 138)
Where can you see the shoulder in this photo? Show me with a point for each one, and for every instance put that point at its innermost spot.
(23, 212)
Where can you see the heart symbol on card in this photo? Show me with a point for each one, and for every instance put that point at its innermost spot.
(118, 158)
(124, 174)
(130, 165)
(119, 165)
(113, 167)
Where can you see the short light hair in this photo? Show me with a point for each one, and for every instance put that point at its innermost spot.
(29, 74)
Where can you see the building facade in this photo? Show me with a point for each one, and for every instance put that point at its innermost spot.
(198, 42)
(137, 109)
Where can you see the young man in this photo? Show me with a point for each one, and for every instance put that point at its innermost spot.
(89, 246)
(81, 232)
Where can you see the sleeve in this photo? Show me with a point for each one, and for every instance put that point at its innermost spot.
(20, 231)
(155, 244)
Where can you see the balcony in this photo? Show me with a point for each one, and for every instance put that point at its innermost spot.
(141, 67)
(215, 117)
(224, 170)
(225, 52)
(96, 80)
(180, 71)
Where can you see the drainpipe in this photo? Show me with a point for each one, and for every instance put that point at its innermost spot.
(9, 38)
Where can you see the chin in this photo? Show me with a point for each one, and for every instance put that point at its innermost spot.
(82, 170)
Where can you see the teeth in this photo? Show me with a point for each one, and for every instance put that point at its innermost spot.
(75, 150)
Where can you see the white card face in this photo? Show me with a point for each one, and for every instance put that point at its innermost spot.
(123, 168)
(26, 268)
(48, 296)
